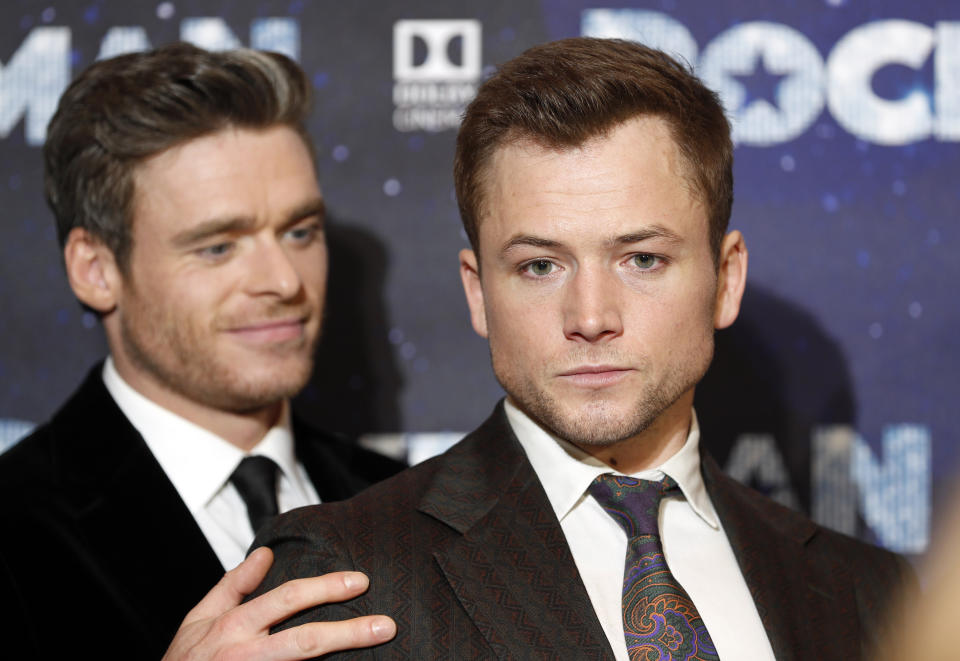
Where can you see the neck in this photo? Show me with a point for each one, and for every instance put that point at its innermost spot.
(651, 447)
(243, 429)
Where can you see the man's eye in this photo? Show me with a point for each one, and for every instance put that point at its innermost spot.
(540, 267)
(303, 234)
(216, 250)
(644, 261)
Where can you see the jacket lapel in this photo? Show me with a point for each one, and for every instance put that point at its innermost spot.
(802, 600)
(140, 536)
(510, 566)
(337, 467)
(331, 479)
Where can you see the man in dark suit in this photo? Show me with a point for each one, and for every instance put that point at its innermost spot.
(191, 221)
(582, 520)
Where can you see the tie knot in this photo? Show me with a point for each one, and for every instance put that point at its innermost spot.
(634, 504)
(255, 470)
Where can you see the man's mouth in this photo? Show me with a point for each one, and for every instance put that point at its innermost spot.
(273, 331)
(595, 376)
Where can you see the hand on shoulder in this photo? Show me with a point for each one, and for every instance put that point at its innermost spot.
(220, 627)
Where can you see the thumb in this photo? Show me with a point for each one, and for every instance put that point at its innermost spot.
(234, 586)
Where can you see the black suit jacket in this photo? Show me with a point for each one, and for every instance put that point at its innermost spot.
(465, 552)
(99, 556)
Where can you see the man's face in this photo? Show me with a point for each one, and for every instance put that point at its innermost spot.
(221, 304)
(598, 291)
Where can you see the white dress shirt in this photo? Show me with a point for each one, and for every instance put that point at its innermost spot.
(694, 543)
(199, 464)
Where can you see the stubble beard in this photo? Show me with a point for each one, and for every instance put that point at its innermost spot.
(600, 422)
(174, 355)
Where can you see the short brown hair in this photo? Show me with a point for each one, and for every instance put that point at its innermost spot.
(123, 110)
(562, 93)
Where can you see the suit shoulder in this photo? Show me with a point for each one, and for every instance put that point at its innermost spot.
(369, 532)
(30, 464)
(85, 427)
(384, 505)
(740, 502)
(871, 567)
(863, 557)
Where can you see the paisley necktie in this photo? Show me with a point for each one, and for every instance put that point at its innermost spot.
(660, 622)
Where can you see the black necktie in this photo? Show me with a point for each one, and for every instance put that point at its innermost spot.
(256, 481)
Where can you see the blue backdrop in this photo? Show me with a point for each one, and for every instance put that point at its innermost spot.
(831, 392)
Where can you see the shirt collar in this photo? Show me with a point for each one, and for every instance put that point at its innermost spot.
(566, 471)
(197, 461)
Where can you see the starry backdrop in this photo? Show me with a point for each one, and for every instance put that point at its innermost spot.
(846, 339)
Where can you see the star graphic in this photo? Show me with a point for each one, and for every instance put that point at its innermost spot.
(760, 84)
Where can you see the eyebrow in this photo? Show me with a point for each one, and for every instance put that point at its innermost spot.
(236, 224)
(315, 207)
(652, 232)
(210, 228)
(528, 240)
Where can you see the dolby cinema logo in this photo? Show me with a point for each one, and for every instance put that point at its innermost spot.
(436, 69)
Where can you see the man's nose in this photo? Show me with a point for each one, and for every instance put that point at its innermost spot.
(272, 272)
(592, 306)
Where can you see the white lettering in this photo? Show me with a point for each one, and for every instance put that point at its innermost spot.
(850, 68)
(279, 34)
(947, 82)
(209, 33)
(36, 75)
(32, 81)
(12, 431)
(653, 28)
(452, 94)
(426, 119)
(122, 40)
(893, 494)
(844, 84)
(771, 49)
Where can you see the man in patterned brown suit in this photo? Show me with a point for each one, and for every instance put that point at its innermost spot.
(595, 183)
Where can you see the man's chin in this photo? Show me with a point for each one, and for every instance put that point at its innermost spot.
(594, 423)
(597, 433)
(252, 398)
(257, 389)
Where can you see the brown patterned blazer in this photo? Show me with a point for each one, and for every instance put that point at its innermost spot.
(466, 554)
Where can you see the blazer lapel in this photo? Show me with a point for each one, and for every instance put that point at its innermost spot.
(510, 566)
(802, 601)
(338, 468)
(140, 535)
(330, 477)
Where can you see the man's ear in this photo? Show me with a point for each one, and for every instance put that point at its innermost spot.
(470, 275)
(732, 279)
(92, 271)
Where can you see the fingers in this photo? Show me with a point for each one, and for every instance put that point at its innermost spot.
(318, 638)
(221, 627)
(233, 586)
(245, 577)
(296, 595)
